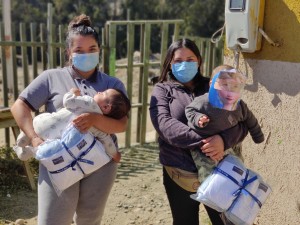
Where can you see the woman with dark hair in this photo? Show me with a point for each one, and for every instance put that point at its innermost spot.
(84, 201)
(179, 83)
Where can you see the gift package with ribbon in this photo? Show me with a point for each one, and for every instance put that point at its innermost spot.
(72, 157)
(235, 190)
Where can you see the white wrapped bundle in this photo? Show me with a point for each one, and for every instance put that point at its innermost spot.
(235, 190)
(249, 202)
(68, 160)
(217, 190)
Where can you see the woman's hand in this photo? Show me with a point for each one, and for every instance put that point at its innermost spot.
(36, 141)
(117, 157)
(84, 122)
(213, 147)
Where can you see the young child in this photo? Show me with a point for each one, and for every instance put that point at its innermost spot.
(218, 110)
(112, 103)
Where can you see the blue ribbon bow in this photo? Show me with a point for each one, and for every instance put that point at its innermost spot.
(76, 160)
(242, 188)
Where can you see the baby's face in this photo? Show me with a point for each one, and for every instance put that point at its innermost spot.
(103, 99)
(229, 97)
(229, 90)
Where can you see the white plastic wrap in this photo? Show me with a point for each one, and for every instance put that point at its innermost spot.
(235, 190)
(81, 155)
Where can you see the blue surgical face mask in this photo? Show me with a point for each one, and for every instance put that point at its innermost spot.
(85, 62)
(185, 71)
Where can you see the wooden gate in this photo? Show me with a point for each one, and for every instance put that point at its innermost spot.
(140, 62)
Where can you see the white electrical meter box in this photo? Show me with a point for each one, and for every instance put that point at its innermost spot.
(242, 20)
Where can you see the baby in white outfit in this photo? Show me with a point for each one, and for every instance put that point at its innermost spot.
(112, 103)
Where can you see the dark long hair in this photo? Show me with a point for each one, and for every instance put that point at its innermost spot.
(181, 43)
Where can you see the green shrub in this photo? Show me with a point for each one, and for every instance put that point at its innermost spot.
(12, 171)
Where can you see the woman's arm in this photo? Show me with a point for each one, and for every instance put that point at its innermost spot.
(22, 115)
(177, 133)
(214, 146)
(101, 122)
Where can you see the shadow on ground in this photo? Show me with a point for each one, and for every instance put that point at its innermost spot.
(138, 160)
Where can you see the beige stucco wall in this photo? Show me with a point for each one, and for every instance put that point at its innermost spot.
(273, 94)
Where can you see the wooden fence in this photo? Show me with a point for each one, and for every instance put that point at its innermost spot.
(36, 47)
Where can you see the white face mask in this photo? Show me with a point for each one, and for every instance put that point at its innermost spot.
(85, 62)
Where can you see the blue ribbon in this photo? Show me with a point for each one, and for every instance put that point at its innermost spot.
(242, 188)
(76, 160)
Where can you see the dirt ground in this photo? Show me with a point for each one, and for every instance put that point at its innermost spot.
(137, 197)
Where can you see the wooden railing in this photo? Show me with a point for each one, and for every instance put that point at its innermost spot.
(39, 47)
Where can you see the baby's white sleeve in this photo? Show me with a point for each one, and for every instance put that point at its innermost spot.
(80, 104)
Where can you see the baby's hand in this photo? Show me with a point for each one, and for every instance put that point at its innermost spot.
(75, 91)
(203, 121)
